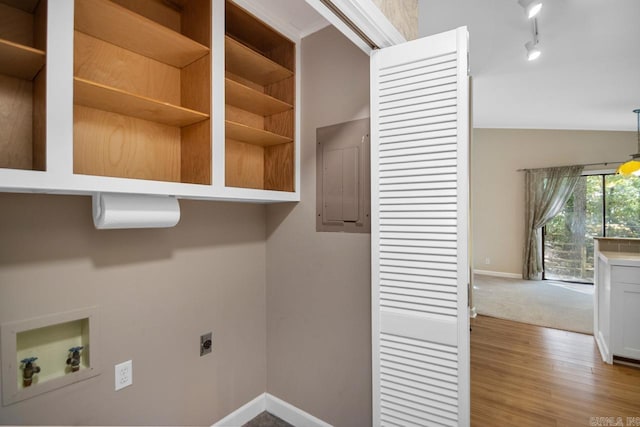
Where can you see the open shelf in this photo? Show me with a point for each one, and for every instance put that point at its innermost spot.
(26, 5)
(259, 96)
(251, 100)
(101, 97)
(251, 65)
(142, 90)
(20, 61)
(251, 135)
(23, 42)
(120, 26)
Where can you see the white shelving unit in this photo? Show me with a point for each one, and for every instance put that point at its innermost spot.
(64, 154)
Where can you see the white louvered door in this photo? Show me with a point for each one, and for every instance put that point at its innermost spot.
(419, 232)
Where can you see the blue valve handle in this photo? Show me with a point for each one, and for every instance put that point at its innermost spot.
(74, 349)
(29, 360)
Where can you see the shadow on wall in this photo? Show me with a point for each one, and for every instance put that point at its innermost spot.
(277, 214)
(35, 228)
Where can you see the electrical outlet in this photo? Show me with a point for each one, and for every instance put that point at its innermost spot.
(487, 260)
(124, 374)
(206, 342)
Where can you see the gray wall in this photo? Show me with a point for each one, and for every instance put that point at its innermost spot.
(318, 293)
(157, 291)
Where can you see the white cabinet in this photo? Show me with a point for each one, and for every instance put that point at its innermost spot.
(194, 99)
(617, 305)
(625, 313)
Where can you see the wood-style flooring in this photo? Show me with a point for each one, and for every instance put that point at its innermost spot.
(525, 375)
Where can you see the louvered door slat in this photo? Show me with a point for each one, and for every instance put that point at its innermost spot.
(433, 79)
(391, 108)
(403, 212)
(419, 232)
(416, 68)
(406, 116)
(423, 287)
(422, 143)
(423, 415)
(404, 122)
(409, 201)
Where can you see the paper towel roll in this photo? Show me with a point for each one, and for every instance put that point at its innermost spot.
(112, 211)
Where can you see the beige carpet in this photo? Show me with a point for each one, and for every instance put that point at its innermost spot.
(547, 303)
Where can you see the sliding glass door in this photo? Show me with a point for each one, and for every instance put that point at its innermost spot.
(601, 205)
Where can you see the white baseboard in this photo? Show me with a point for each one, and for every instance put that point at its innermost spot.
(294, 416)
(245, 413)
(275, 406)
(497, 274)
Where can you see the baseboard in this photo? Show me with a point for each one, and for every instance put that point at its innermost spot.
(245, 413)
(294, 416)
(497, 274)
(275, 406)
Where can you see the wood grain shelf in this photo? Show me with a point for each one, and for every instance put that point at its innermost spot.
(20, 61)
(28, 6)
(101, 97)
(250, 135)
(251, 65)
(251, 100)
(117, 25)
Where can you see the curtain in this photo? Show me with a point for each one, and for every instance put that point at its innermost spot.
(546, 192)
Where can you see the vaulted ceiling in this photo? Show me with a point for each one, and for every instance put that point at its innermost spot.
(588, 76)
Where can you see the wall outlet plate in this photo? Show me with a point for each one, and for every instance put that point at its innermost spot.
(124, 374)
(206, 343)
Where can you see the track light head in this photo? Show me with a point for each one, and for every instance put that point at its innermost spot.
(533, 51)
(531, 7)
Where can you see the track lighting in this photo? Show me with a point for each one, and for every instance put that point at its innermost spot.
(531, 7)
(533, 52)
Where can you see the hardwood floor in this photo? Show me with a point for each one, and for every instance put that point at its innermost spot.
(525, 375)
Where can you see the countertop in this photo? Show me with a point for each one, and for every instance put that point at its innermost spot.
(631, 259)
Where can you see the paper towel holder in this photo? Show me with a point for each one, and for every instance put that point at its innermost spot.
(118, 211)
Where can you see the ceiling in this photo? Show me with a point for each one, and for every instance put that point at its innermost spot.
(297, 17)
(588, 76)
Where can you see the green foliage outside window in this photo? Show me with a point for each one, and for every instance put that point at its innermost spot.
(569, 235)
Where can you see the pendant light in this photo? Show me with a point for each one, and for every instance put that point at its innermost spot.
(632, 167)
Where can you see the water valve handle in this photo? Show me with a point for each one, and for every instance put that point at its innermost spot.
(28, 360)
(77, 348)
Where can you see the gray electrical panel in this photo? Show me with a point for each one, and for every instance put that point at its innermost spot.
(343, 188)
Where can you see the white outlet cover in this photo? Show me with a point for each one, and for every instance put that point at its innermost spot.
(124, 374)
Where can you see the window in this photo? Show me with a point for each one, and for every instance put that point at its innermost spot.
(602, 205)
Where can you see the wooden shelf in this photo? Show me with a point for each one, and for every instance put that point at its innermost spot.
(117, 25)
(26, 5)
(251, 100)
(114, 100)
(254, 136)
(251, 65)
(20, 61)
